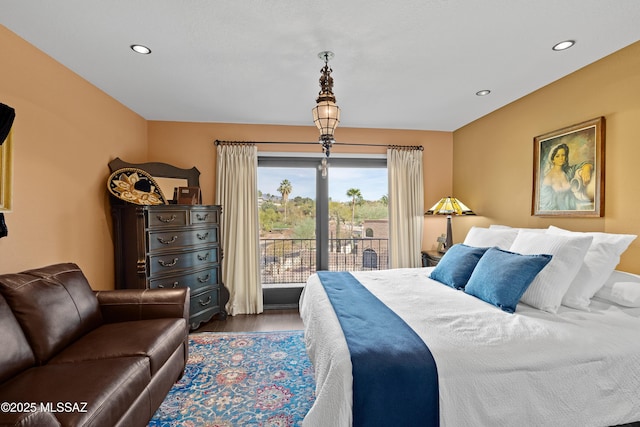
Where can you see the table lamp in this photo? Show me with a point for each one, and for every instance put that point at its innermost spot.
(449, 206)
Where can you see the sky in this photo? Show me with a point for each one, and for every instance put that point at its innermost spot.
(372, 182)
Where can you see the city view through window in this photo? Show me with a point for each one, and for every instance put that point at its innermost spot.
(358, 222)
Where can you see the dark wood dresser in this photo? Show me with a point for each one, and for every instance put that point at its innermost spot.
(171, 246)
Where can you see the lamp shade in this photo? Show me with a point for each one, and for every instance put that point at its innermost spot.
(326, 116)
(449, 206)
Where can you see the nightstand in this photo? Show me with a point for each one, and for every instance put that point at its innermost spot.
(431, 258)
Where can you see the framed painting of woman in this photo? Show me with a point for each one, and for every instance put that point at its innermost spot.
(568, 171)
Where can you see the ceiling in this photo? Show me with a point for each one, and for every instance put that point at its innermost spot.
(409, 64)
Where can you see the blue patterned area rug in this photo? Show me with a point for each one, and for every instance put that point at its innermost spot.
(252, 379)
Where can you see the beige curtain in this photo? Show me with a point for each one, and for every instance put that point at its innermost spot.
(237, 192)
(406, 207)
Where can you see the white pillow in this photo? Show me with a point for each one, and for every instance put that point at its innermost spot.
(506, 227)
(487, 237)
(601, 259)
(621, 288)
(549, 286)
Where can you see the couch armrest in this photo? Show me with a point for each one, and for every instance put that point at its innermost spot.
(138, 304)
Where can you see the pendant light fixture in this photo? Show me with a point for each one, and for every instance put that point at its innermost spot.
(326, 114)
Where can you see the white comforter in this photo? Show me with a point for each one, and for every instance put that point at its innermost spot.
(530, 368)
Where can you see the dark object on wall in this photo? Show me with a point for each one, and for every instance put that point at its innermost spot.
(3, 226)
(7, 114)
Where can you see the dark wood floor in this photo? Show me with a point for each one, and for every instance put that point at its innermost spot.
(269, 320)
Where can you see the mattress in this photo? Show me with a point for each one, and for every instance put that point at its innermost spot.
(529, 368)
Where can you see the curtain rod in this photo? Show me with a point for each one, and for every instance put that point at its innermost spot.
(399, 147)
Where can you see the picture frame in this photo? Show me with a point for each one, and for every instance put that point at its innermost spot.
(188, 196)
(6, 174)
(568, 171)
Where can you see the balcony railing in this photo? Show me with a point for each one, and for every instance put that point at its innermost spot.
(284, 261)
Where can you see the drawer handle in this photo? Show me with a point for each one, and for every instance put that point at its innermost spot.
(173, 285)
(166, 220)
(204, 279)
(202, 217)
(168, 264)
(203, 257)
(167, 242)
(205, 302)
(203, 236)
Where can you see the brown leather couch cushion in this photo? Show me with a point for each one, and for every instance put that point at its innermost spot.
(15, 353)
(108, 386)
(156, 339)
(28, 419)
(54, 305)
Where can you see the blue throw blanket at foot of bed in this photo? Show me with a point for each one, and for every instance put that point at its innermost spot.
(395, 380)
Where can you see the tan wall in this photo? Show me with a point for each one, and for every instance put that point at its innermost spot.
(65, 132)
(493, 156)
(189, 144)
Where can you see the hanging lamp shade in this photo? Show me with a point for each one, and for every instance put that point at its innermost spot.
(326, 114)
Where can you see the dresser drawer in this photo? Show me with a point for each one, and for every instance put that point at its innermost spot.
(170, 263)
(181, 238)
(203, 306)
(195, 281)
(166, 217)
(205, 216)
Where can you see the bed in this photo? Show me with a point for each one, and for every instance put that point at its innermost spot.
(533, 367)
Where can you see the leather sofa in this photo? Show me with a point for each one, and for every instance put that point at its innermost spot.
(70, 356)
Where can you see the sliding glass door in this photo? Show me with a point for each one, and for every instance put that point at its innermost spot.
(311, 222)
(287, 215)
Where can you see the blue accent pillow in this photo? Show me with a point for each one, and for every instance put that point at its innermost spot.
(457, 264)
(501, 277)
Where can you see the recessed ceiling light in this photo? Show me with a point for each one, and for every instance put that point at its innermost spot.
(483, 92)
(564, 45)
(140, 49)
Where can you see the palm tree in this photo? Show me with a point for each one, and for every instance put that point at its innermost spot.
(285, 189)
(356, 196)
